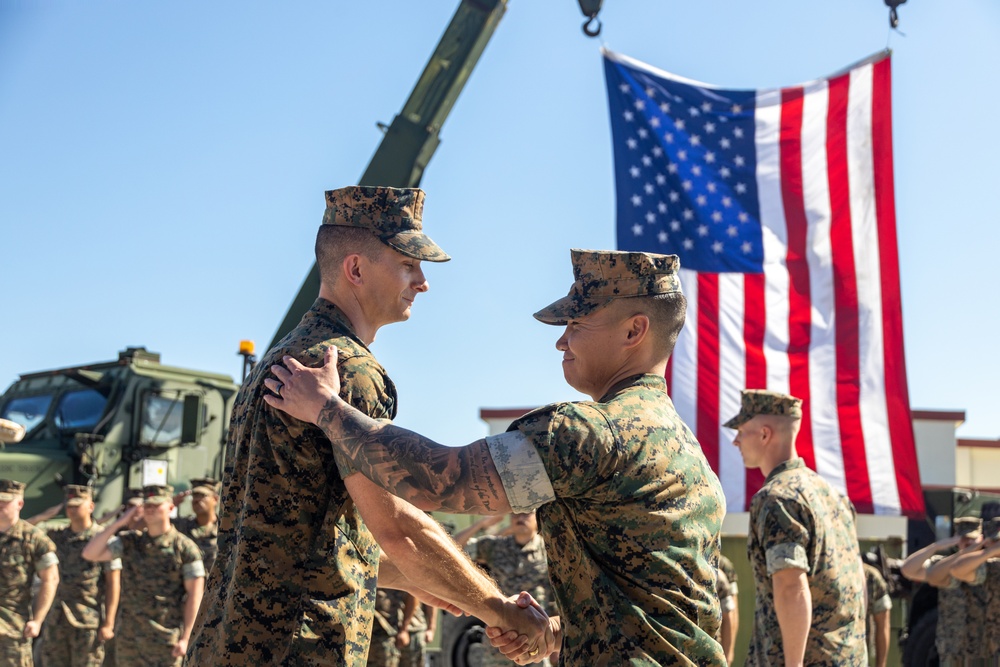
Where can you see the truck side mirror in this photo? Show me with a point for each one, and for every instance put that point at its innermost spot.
(191, 419)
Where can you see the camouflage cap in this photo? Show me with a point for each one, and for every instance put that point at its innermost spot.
(205, 485)
(393, 214)
(755, 402)
(968, 526)
(601, 276)
(154, 494)
(991, 528)
(133, 496)
(10, 490)
(77, 495)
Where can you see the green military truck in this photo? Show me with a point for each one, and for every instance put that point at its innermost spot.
(114, 425)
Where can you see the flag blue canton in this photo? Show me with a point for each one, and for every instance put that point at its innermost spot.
(685, 168)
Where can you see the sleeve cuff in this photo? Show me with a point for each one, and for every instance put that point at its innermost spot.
(193, 570)
(784, 556)
(884, 603)
(521, 471)
(46, 561)
(116, 547)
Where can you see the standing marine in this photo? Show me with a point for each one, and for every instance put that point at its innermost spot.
(25, 552)
(802, 547)
(203, 527)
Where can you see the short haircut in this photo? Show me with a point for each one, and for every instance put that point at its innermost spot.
(666, 313)
(334, 243)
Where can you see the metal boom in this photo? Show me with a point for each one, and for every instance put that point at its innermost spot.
(412, 138)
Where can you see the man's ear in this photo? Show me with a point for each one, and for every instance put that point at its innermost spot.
(352, 269)
(637, 328)
(765, 433)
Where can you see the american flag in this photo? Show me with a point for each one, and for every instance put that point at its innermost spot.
(779, 203)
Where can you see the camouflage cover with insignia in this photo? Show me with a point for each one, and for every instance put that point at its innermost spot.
(23, 550)
(206, 537)
(70, 632)
(634, 531)
(798, 520)
(515, 568)
(151, 610)
(297, 565)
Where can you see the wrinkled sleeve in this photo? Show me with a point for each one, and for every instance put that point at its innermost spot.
(116, 546)
(112, 565)
(574, 443)
(192, 566)
(784, 534)
(521, 470)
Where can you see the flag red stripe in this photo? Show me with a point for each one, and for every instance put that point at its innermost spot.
(708, 366)
(898, 398)
(845, 299)
(754, 315)
(797, 261)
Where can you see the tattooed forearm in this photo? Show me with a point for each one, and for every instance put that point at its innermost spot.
(463, 480)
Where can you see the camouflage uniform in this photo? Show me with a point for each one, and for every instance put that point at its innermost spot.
(877, 601)
(988, 580)
(412, 655)
(24, 550)
(151, 613)
(70, 632)
(798, 520)
(728, 569)
(206, 537)
(516, 568)
(388, 612)
(629, 508)
(300, 565)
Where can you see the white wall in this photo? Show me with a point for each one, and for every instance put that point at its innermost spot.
(935, 451)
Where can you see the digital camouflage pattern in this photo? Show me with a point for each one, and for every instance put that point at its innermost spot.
(77, 495)
(70, 632)
(877, 601)
(412, 655)
(298, 581)
(633, 529)
(11, 489)
(988, 578)
(24, 550)
(151, 610)
(951, 627)
(729, 570)
(755, 402)
(388, 614)
(798, 520)
(393, 214)
(600, 276)
(206, 537)
(515, 568)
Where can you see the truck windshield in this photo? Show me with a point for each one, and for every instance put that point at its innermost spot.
(80, 409)
(28, 411)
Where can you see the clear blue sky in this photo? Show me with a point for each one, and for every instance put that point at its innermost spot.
(162, 168)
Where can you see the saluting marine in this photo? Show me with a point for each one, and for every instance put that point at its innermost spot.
(83, 614)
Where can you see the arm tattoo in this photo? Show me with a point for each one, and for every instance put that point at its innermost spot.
(431, 476)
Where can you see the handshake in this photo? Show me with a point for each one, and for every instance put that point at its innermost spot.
(525, 633)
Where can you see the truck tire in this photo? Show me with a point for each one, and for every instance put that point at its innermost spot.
(921, 650)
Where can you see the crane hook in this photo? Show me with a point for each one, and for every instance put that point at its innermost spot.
(592, 32)
(893, 15)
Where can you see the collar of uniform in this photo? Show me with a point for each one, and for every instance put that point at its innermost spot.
(645, 380)
(329, 311)
(790, 464)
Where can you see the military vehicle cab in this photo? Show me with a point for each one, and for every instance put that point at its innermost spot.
(114, 425)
